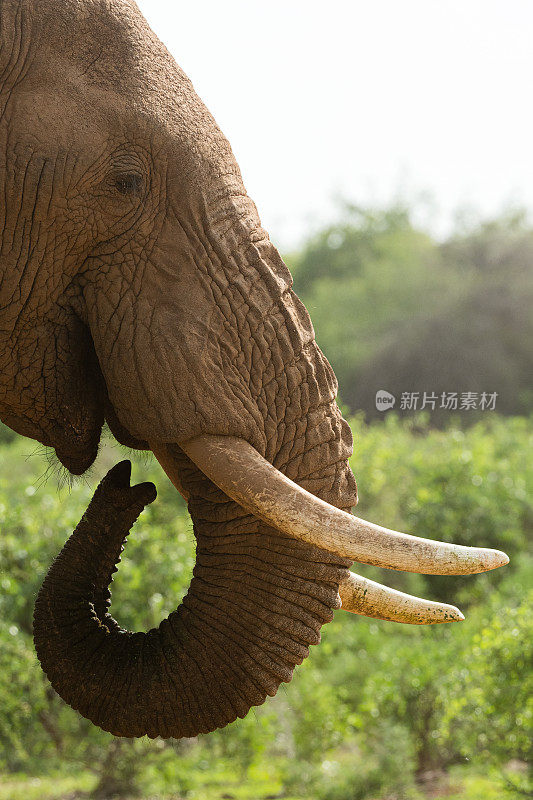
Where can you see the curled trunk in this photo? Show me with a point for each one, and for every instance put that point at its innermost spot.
(256, 602)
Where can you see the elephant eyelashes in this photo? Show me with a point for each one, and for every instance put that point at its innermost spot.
(129, 184)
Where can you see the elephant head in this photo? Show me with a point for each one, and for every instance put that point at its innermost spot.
(139, 288)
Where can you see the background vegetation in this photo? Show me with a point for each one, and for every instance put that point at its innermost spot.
(378, 711)
(394, 309)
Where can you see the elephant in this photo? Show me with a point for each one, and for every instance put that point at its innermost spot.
(138, 289)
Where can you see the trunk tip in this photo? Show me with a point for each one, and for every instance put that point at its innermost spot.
(144, 493)
(120, 475)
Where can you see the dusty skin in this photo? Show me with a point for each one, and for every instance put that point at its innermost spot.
(138, 288)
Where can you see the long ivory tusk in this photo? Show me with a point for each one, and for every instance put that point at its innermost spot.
(262, 490)
(370, 599)
(359, 595)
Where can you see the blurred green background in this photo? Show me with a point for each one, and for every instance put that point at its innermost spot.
(378, 711)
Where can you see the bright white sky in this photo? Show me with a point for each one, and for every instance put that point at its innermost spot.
(366, 99)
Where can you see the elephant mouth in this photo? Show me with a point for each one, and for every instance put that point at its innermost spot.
(77, 446)
(78, 462)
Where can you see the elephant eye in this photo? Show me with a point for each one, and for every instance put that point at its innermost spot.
(130, 183)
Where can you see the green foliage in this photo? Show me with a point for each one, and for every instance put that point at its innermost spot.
(373, 710)
(491, 708)
(52, 787)
(395, 309)
(359, 279)
(6, 434)
(383, 768)
(22, 698)
(467, 486)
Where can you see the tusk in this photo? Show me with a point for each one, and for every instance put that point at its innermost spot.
(358, 595)
(262, 490)
(370, 599)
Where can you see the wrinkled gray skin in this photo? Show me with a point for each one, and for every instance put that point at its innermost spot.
(138, 287)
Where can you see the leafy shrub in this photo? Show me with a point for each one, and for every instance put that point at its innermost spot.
(490, 711)
(472, 486)
(383, 768)
(375, 704)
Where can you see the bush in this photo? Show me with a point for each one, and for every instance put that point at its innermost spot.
(383, 768)
(374, 706)
(472, 487)
(394, 309)
(490, 712)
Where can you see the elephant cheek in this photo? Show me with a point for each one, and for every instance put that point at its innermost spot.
(170, 375)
